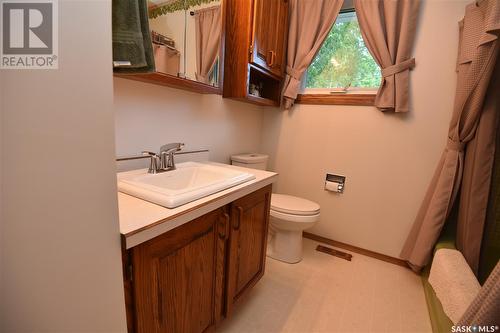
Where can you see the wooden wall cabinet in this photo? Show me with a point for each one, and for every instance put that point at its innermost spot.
(255, 49)
(188, 279)
(269, 32)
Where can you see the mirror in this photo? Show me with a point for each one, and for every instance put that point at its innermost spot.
(186, 37)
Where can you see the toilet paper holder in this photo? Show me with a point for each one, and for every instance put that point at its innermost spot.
(334, 183)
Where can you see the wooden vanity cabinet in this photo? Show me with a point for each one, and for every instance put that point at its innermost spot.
(256, 32)
(177, 277)
(188, 279)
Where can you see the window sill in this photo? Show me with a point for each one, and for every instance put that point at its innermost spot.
(337, 99)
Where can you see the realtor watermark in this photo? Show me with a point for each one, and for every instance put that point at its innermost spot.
(475, 329)
(29, 32)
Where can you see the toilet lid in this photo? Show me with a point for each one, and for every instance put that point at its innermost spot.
(293, 205)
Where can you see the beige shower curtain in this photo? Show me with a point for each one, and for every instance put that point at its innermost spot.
(478, 52)
(208, 33)
(478, 169)
(388, 29)
(310, 23)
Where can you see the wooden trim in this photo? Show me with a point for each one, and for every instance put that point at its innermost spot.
(264, 71)
(261, 101)
(163, 79)
(237, 35)
(128, 287)
(352, 248)
(222, 48)
(337, 99)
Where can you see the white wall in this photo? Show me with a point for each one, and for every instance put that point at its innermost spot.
(388, 158)
(60, 246)
(148, 116)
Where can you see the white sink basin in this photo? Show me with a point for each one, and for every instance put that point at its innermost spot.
(190, 181)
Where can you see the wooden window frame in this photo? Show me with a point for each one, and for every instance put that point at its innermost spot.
(366, 99)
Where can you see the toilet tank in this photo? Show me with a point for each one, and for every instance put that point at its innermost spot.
(253, 161)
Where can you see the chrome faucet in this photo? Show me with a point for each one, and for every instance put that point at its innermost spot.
(164, 161)
(167, 155)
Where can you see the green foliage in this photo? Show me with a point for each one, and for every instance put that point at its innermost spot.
(343, 59)
(175, 6)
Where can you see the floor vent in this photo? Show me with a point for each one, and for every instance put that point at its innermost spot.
(334, 252)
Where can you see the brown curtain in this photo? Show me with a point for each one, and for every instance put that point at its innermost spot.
(477, 56)
(310, 23)
(208, 33)
(485, 308)
(388, 29)
(478, 169)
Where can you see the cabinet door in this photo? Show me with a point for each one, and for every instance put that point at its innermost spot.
(178, 277)
(248, 242)
(279, 61)
(269, 33)
(263, 32)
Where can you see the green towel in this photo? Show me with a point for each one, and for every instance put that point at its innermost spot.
(132, 46)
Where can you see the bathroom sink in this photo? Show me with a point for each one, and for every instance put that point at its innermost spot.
(190, 181)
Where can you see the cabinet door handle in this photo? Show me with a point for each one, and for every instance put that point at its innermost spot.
(272, 55)
(237, 223)
(223, 227)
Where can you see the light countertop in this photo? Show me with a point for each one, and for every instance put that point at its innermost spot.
(141, 220)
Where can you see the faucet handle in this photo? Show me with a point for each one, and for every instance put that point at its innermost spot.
(146, 153)
(153, 164)
(176, 146)
(167, 155)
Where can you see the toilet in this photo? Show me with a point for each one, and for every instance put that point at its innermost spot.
(289, 216)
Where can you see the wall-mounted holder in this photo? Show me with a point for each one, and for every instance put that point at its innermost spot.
(334, 183)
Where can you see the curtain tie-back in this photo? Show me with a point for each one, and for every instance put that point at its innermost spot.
(293, 73)
(398, 68)
(455, 145)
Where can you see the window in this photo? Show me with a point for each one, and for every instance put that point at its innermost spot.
(343, 64)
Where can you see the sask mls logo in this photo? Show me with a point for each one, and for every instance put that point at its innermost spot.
(29, 34)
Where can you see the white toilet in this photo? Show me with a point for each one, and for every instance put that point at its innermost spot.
(289, 216)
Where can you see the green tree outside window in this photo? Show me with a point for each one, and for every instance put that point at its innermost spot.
(343, 59)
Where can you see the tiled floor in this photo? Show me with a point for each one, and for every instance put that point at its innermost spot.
(323, 293)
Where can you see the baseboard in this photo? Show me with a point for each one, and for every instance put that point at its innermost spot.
(352, 248)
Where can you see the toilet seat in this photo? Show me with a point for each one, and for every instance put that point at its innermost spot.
(287, 205)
